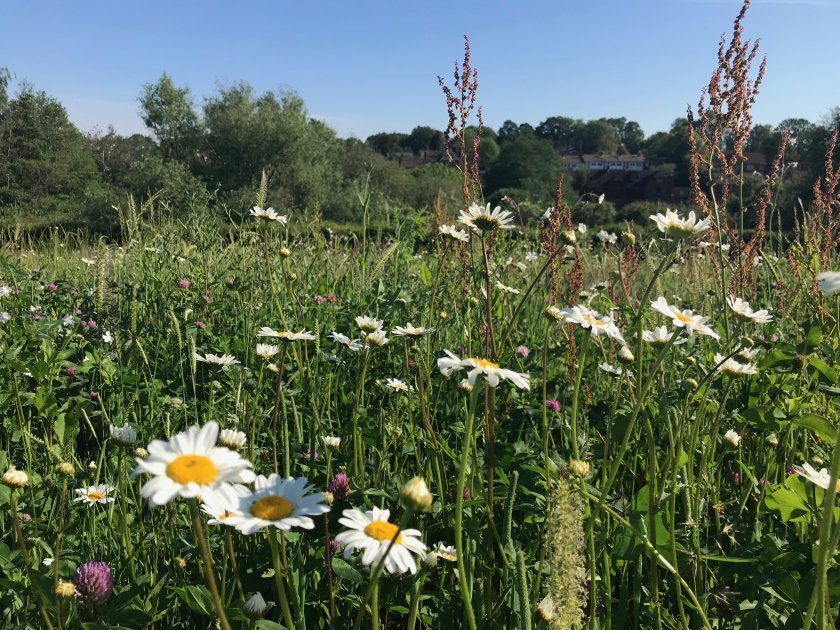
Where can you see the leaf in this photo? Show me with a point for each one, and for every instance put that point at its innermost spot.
(813, 339)
(789, 504)
(827, 374)
(425, 274)
(346, 572)
(818, 425)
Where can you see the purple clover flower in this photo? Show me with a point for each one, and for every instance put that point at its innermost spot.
(340, 487)
(94, 583)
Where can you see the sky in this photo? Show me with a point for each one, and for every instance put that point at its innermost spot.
(369, 66)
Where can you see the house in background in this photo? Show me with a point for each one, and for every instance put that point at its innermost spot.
(601, 162)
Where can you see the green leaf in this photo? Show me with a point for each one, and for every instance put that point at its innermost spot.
(425, 274)
(789, 504)
(346, 572)
(813, 339)
(818, 425)
(827, 374)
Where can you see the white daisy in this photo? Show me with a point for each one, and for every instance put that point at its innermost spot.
(269, 214)
(286, 335)
(482, 219)
(582, 228)
(829, 282)
(95, 494)
(673, 226)
(281, 503)
(372, 532)
(684, 319)
(597, 323)
(376, 338)
(607, 237)
(819, 478)
(190, 465)
(732, 437)
(733, 367)
(107, 337)
(532, 256)
(611, 369)
(453, 232)
(397, 385)
(5, 318)
(232, 439)
(224, 361)
(659, 336)
(266, 350)
(448, 553)
(352, 344)
(369, 324)
(223, 505)
(331, 442)
(409, 330)
(742, 311)
(506, 289)
(491, 371)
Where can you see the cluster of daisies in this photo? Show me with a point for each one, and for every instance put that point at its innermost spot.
(194, 464)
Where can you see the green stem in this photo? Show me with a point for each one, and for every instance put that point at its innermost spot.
(278, 579)
(209, 569)
(459, 511)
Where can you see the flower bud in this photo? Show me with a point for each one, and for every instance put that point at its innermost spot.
(15, 478)
(578, 468)
(415, 494)
(65, 468)
(255, 607)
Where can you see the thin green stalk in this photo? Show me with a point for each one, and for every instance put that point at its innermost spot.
(278, 579)
(207, 561)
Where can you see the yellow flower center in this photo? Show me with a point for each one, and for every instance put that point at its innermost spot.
(192, 469)
(682, 318)
(95, 496)
(592, 321)
(272, 508)
(484, 363)
(224, 515)
(383, 530)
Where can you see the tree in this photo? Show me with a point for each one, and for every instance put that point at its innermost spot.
(386, 143)
(423, 138)
(527, 163)
(632, 137)
(562, 131)
(600, 136)
(168, 112)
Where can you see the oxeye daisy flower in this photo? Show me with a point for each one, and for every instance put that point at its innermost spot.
(232, 439)
(397, 385)
(281, 503)
(453, 232)
(819, 478)
(95, 494)
(369, 324)
(597, 323)
(734, 368)
(223, 506)
(607, 237)
(448, 553)
(352, 344)
(613, 370)
(732, 438)
(268, 214)
(673, 226)
(371, 532)
(409, 330)
(267, 351)
(376, 338)
(224, 361)
(829, 282)
(286, 335)
(659, 336)
(190, 465)
(482, 219)
(506, 289)
(743, 312)
(684, 319)
(491, 371)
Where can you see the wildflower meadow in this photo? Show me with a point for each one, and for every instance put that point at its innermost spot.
(465, 420)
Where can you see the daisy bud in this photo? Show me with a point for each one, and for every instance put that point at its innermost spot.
(141, 452)
(92, 465)
(293, 276)
(329, 498)
(15, 478)
(443, 315)
(772, 439)
(578, 468)
(732, 438)
(255, 607)
(465, 385)
(625, 356)
(569, 236)
(429, 560)
(285, 252)
(553, 313)
(180, 562)
(65, 590)
(691, 382)
(65, 468)
(415, 494)
(628, 238)
(748, 342)
(232, 439)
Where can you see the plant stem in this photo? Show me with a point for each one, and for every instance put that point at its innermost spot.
(209, 569)
(278, 579)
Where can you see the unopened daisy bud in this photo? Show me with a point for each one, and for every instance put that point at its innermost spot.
(92, 465)
(180, 562)
(474, 300)
(691, 382)
(625, 356)
(817, 460)
(331, 442)
(578, 468)
(124, 435)
(553, 313)
(65, 590)
(329, 497)
(272, 367)
(285, 252)
(415, 494)
(232, 438)
(465, 385)
(293, 276)
(748, 342)
(443, 315)
(429, 560)
(255, 607)
(732, 438)
(569, 236)
(15, 478)
(65, 468)
(772, 439)
(628, 238)
(141, 452)
(691, 360)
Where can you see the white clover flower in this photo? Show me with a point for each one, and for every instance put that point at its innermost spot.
(224, 361)
(372, 532)
(481, 219)
(481, 367)
(67, 321)
(95, 494)
(743, 312)
(829, 282)
(684, 319)
(597, 323)
(673, 226)
(190, 465)
(453, 232)
(269, 214)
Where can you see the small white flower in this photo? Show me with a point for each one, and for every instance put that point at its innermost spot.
(733, 367)
(659, 336)
(582, 228)
(397, 385)
(819, 478)
(255, 607)
(610, 369)
(89, 261)
(107, 337)
(232, 439)
(732, 438)
(269, 214)
(224, 361)
(266, 350)
(597, 323)
(95, 494)
(607, 237)
(5, 291)
(742, 311)
(369, 324)
(481, 367)
(331, 442)
(447, 553)
(124, 435)
(409, 330)
(67, 321)
(684, 319)
(673, 226)
(453, 232)
(352, 344)
(531, 256)
(829, 282)
(506, 289)
(482, 219)
(286, 335)
(5, 318)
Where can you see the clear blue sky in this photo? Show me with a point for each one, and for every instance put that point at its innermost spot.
(365, 66)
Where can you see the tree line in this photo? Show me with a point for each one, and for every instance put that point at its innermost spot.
(211, 155)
